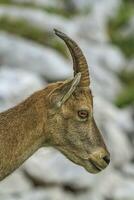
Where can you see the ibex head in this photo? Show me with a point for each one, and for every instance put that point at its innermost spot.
(61, 116)
(73, 130)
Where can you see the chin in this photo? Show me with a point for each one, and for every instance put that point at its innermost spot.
(91, 168)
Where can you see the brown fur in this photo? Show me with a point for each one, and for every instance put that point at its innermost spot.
(38, 122)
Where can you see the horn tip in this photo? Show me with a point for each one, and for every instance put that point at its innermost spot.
(59, 33)
(55, 30)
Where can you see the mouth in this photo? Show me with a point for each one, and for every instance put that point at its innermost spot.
(93, 166)
(96, 167)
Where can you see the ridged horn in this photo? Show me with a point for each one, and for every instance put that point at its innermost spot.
(79, 60)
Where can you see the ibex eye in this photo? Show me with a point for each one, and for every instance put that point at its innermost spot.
(83, 114)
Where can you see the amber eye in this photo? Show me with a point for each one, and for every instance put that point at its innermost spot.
(83, 114)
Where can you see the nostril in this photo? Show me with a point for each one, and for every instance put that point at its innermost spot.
(107, 159)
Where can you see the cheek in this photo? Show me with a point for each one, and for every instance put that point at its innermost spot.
(85, 134)
(76, 133)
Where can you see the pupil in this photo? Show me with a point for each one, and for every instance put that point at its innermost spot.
(83, 114)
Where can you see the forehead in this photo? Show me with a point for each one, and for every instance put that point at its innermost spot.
(82, 98)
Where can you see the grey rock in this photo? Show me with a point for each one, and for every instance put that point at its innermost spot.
(41, 194)
(104, 61)
(124, 190)
(41, 2)
(49, 194)
(105, 110)
(104, 84)
(16, 85)
(20, 53)
(128, 170)
(105, 184)
(107, 56)
(14, 184)
(112, 122)
(113, 185)
(105, 7)
(130, 66)
(128, 29)
(89, 29)
(93, 26)
(37, 18)
(119, 144)
(50, 166)
(7, 197)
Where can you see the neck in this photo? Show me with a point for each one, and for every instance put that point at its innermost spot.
(22, 132)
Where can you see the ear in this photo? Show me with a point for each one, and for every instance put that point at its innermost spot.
(61, 94)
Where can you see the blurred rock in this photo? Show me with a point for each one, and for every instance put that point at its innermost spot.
(20, 53)
(46, 194)
(128, 29)
(41, 194)
(37, 18)
(8, 197)
(105, 184)
(112, 123)
(91, 29)
(102, 8)
(119, 144)
(105, 62)
(16, 85)
(124, 190)
(50, 166)
(15, 183)
(107, 56)
(94, 25)
(128, 170)
(106, 111)
(116, 187)
(41, 2)
(24, 64)
(130, 66)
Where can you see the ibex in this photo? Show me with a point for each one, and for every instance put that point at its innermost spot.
(61, 115)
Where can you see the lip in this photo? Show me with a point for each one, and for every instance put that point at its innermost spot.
(93, 166)
(98, 168)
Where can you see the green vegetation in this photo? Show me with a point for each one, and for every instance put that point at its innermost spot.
(50, 9)
(24, 29)
(115, 25)
(126, 44)
(61, 12)
(126, 97)
(28, 31)
(5, 1)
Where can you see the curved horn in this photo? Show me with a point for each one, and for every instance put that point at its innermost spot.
(79, 60)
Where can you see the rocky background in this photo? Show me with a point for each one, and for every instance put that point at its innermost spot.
(31, 56)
